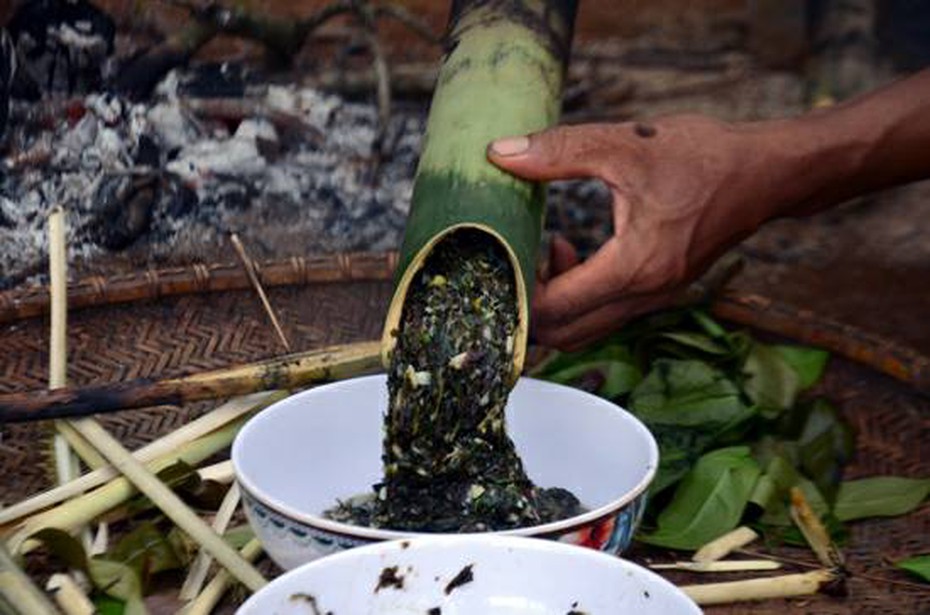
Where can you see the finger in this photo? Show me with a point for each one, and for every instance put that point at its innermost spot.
(564, 152)
(562, 255)
(583, 288)
(601, 322)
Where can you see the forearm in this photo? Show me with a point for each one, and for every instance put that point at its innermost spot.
(823, 158)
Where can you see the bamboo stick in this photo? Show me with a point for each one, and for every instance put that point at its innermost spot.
(724, 545)
(80, 510)
(201, 566)
(221, 472)
(67, 466)
(69, 596)
(743, 565)
(814, 532)
(249, 267)
(199, 427)
(18, 594)
(169, 503)
(783, 586)
(208, 599)
(286, 372)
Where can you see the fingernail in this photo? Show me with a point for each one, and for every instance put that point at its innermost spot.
(511, 146)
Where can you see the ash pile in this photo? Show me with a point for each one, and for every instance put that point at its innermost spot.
(165, 176)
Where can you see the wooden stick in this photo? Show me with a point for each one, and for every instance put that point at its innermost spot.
(198, 428)
(784, 586)
(257, 285)
(286, 372)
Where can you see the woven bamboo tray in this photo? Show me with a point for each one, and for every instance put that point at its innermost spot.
(174, 322)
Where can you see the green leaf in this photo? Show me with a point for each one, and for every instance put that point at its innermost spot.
(918, 566)
(238, 536)
(771, 382)
(147, 551)
(688, 405)
(109, 606)
(118, 580)
(613, 361)
(879, 496)
(697, 341)
(708, 324)
(808, 363)
(825, 444)
(710, 500)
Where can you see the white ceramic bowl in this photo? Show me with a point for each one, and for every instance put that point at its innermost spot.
(510, 575)
(294, 460)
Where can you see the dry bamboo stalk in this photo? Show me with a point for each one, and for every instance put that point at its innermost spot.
(69, 595)
(249, 267)
(286, 372)
(744, 565)
(221, 472)
(724, 545)
(169, 503)
(783, 586)
(184, 435)
(78, 511)
(67, 466)
(208, 599)
(201, 566)
(814, 532)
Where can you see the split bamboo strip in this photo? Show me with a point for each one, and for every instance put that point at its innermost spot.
(75, 512)
(784, 586)
(18, 594)
(199, 427)
(221, 472)
(201, 566)
(726, 544)
(249, 267)
(169, 503)
(67, 466)
(742, 565)
(286, 372)
(208, 599)
(69, 596)
(814, 532)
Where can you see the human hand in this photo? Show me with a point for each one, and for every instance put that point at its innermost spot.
(684, 188)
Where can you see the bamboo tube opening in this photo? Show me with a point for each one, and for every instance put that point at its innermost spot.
(398, 301)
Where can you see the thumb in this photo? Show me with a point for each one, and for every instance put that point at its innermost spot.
(564, 152)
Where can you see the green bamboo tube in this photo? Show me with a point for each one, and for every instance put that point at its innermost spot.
(501, 76)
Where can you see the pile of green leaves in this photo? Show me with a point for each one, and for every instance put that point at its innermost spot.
(737, 428)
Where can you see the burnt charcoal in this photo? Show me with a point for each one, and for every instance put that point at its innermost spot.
(177, 200)
(147, 153)
(215, 80)
(123, 210)
(231, 193)
(137, 77)
(63, 44)
(7, 73)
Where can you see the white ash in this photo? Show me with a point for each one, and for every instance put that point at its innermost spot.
(286, 192)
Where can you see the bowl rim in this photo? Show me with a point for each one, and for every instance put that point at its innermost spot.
(348, 530)
(486, 540)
